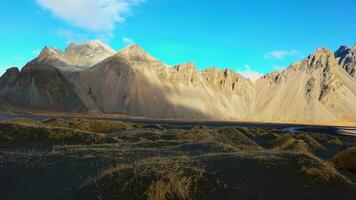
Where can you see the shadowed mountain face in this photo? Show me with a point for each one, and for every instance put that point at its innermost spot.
(39, 87)
(347, 59)
(93, 77)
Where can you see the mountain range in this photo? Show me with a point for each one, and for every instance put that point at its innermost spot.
(94, 78)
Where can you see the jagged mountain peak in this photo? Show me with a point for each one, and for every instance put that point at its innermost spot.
(320, 59)
(50, 51)
(343, 47)
(133, 46)
(347, 59)
(9, 77)
(13, 70)
(87, 54)
(49, 54)
(95, 42)
(186, 67)
(134, 52)
(94, 45)
(322, 52)
(342, 51)
(75, 57)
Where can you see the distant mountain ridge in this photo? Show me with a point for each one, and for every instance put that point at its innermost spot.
(92, 77)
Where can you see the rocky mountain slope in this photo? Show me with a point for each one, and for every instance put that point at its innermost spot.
(42, 87)
(314, 89)
(93, 77)
(347, 59)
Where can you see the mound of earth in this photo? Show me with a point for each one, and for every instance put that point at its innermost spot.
(26, 132)
(219, 176)
(96, 126)
(345, 159)
(99, 159)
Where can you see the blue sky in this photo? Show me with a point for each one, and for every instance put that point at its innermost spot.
(253, 37)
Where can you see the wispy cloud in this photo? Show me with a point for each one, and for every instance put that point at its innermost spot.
(93, 15)
(280, 54)
(127, 40)
(278, 67)
(249, 73)
(36, 52)
(71, 36)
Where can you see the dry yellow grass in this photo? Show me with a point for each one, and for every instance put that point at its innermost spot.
(155, 178)
(298, 143)
(345, 159)
(335, 141)
(96, 126)
(165, 163)
(27, 131)
(23, 121)
(283, 140)
(312, 143)
(322, 173)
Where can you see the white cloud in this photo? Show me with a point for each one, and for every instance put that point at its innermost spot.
(280, 54)
(93, 15)
(250, 74)
(127, 40)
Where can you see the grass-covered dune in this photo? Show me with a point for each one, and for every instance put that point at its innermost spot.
(93, 159)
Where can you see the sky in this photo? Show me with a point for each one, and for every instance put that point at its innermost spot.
(252, 37)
